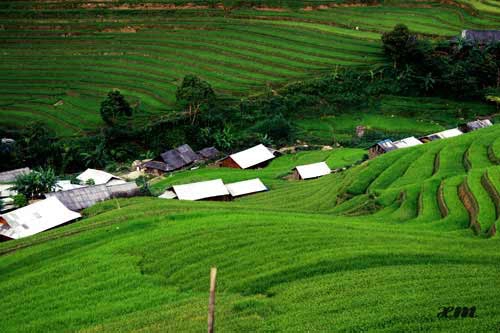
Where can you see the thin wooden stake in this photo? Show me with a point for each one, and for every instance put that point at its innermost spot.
(211, 300)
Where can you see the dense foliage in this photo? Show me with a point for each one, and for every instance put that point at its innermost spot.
(35, 184)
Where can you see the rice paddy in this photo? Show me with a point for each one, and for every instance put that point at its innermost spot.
(382, 246)
(59, 59)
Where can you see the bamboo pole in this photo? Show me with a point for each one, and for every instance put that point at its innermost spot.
(211, 300)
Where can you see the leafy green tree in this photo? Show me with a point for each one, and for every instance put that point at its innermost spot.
(36, 183)
(20, 200)
(143, 184)
(398, 43)
(114, 108)
(37, 145)
(194, 96)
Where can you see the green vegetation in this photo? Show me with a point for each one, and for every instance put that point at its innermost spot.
(361, 250)
(60, 59)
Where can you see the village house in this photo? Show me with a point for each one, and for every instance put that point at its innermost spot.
(178, 158)
(481, 36)
(381, 147)
(11, 175)
(407, 142)
(35, 218)
(252, 158)
(208, 190)
(246, 187)
(99, 177)
(81, 198)
(441, 135)
(310, 171)
(475, 125)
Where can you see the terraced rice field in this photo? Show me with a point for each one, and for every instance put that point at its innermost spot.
(346, 252)
(59, 59)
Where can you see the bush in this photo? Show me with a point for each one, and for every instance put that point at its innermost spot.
(36, 183)
(20, 200)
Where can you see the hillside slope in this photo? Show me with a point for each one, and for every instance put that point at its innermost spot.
(66, 55)
(381, 247)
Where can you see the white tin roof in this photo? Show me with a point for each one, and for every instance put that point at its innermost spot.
(407, 142)
(447, 134)
(201, 190)
(5, 192)
(100, 177)
(168, 195)
(246, 187)
(35, 218)
(65, 185)
(252, 156)
(313, 170)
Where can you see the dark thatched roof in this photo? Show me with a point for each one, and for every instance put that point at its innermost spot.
(162, 166)
(179, 157)
(10, 176)
(209, 153)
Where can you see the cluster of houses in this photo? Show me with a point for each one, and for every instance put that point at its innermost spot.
(60, 206)
(63, 203)
(388, 145)
(252, 158)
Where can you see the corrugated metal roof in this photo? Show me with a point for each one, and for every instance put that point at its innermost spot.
(246, 187)
(35, 218)
(483, 36)
(11, 175)
(477, 124)
(201, 190)
(82, 198)
(100, 177)
(123, 190)
(5, 192)
(407, 142)
(209, 153)
(387, 145)
(446, 134)
(313, 170)
(252, 156)
(65, 185)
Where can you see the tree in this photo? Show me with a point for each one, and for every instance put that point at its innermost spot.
(36, 183)
(399, 43)
(37, 146)
(194, 96)
(114, 108)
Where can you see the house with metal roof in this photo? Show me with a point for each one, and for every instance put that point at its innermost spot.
(99, 177)
(310, 171)
(381, 147)
(209, 153)
(475, 125)
(66, 185)
(407, 142)
(11, 175)
(81, 198)
(171, 160)
(481, 36)
(35, 218)
(207, 190)
(255, 157)
(246, 187)
(450, 133)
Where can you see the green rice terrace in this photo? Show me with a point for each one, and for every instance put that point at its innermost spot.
(381, 246)
(60, 58)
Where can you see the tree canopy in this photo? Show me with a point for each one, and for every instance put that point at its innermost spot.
(114, 108)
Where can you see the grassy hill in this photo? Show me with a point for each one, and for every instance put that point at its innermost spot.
(60, 58)
(382, 246)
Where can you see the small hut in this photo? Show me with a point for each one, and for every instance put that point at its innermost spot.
(475, 125)
(208, 190)
(171, 160)
(246, 187)
(252, 158)
(441, 135)
(311, 171)
(35, 218)
(407, 142)
(381, 147)
(99, 177)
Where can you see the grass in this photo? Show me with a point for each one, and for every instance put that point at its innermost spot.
(314, 255)
(70, 52)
